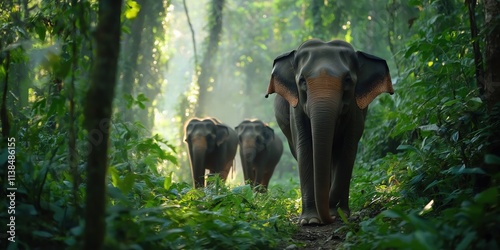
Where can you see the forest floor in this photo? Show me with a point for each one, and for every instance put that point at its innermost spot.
(327, 236)
(317, 237)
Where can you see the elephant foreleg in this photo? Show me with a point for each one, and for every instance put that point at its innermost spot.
(303, 147)
(342, 173)
(225, 171)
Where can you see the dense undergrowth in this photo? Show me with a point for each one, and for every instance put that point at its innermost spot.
(418, 182)
(146, 208)
(422, 156)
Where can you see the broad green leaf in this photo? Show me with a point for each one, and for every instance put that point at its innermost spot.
(129, 99)
(489, 196)
(168, 181)
(115, 178)
(342, 215)
(132, 9)
(433, 183)
(408, 148)
(43, 234)
(142, 98)
(392, 213)
(450, 103)
(430, 127)
(458, 170)
(491, 159)
(171, 158)
(41, 31)
(127, 183)
(403, 126)
(466, 241)
(141, 105)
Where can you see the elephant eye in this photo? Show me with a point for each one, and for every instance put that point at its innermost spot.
(211, 135)
(348, 79)
(302, 83)
(258, 140)
(348, 83)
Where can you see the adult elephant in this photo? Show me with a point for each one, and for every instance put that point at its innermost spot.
(212, 145)
(260, 151)
(323, 90)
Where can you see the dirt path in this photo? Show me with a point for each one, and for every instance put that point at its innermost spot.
(317, 237)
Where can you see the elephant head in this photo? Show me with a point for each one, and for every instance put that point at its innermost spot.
(254, 136)
(260, 151)
(329, 86)
(331, 66)
(204, 137)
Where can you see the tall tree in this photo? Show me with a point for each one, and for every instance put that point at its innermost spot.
(492, 78)
(98, 109)
(131, 56)
(317, 19)
(207, 68)
(151, 60)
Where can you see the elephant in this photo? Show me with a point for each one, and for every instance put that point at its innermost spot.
(323, 91)
(260, 152)
(212, 145)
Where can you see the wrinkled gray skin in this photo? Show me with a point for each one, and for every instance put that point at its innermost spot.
(260, 152)
(212, 145)
(323, 90)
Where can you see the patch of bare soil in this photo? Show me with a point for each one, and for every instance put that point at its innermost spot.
(328, 236)
(317, 237)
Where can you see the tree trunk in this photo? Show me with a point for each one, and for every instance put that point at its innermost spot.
(4, 117)
(207, 65)
(149, 82)
(491, 92)
(131, 60)
(478, 59)
(98, 110)
(492, 76)
(317, 20)
(72, 134)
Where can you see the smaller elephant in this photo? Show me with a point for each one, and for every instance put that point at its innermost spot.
(260, 151)
(212, 145)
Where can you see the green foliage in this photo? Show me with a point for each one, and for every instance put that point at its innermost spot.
(423, 148)
(419, 160)
(471, 225)
(132, 9)
(175, 216)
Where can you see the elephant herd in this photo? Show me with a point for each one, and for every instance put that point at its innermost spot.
(323, 91)
(212, 145)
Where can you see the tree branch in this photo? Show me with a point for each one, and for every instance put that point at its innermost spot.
(192, 36)
(478, 58)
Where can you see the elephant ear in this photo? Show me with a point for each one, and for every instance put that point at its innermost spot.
(188, 130)
(283, 78)
(373, 79)
(222, 134)
(268, 134)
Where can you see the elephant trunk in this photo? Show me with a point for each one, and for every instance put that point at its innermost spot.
(198, 165)
(248, 157)
(324, 107)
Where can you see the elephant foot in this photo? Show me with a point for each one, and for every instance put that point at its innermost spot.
(335, 213)
(311, 219)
